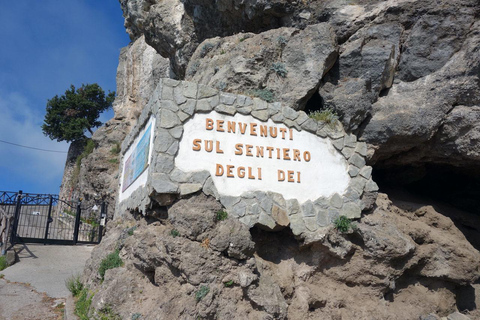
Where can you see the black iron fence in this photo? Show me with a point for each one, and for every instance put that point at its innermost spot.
(44, 218)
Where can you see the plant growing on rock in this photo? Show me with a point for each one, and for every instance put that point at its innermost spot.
(264, 94)
(116, 148)
(343, 224)
(327, 115)
(174, 233)
(279, 69)
(74, 285)
(3, 263)
(201, 293)
(221, 215)
(131, 230)
(111, 261)
(83, 303)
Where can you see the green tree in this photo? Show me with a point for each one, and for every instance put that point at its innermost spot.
(69, 116)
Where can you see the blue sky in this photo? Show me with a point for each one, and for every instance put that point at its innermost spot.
(46, 46)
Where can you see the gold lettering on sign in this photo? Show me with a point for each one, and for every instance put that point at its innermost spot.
(209, 124)
(230, 171)
(238, 149)
(243, 127)
(241, 172)
(231, 127)
(197, 145)
(220, 126)
(248, 150)
(263, 131)
(253, 129)
(219, 170)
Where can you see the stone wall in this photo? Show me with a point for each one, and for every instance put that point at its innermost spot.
(174, 103)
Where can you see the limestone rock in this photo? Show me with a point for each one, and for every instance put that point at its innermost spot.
(194, 216)
(290, 64)
(175, 28)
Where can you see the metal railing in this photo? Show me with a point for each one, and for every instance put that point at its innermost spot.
(44, 218)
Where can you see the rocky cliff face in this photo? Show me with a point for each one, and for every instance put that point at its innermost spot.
(404, 260)
(403, 75)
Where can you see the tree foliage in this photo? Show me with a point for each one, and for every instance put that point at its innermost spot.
(69, 116)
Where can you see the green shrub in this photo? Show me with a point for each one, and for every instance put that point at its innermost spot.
(131, 230)
(202, 292)
(327, 115)
(221, 215)
(83, 303)
(110, 262)
(3, 263)
(174, 233)
(116, 148)
(106, 313)
(136, 316)
(74, 285)
(114, 160)
(228, 283)
(343, 224)
(264, 94)
(279, 69)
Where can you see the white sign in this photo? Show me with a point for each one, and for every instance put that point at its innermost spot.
(245, 154)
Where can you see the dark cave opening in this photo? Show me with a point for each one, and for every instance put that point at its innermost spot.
(455, 190)
(315, 103)
(455, 186)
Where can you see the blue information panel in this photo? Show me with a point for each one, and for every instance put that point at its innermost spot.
(137, 162)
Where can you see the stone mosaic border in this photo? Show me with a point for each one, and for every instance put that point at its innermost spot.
(175, 102)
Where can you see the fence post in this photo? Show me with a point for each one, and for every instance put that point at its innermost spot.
(103, 215)
(49, 219)
(18, 206)
(77, 222)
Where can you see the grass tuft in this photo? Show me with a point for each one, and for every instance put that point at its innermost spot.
(83, 303)
(110, 262)
(221, 215)
(327, 115)
(116, 148)
(343, 224)
(74, 285)
(3, 263)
